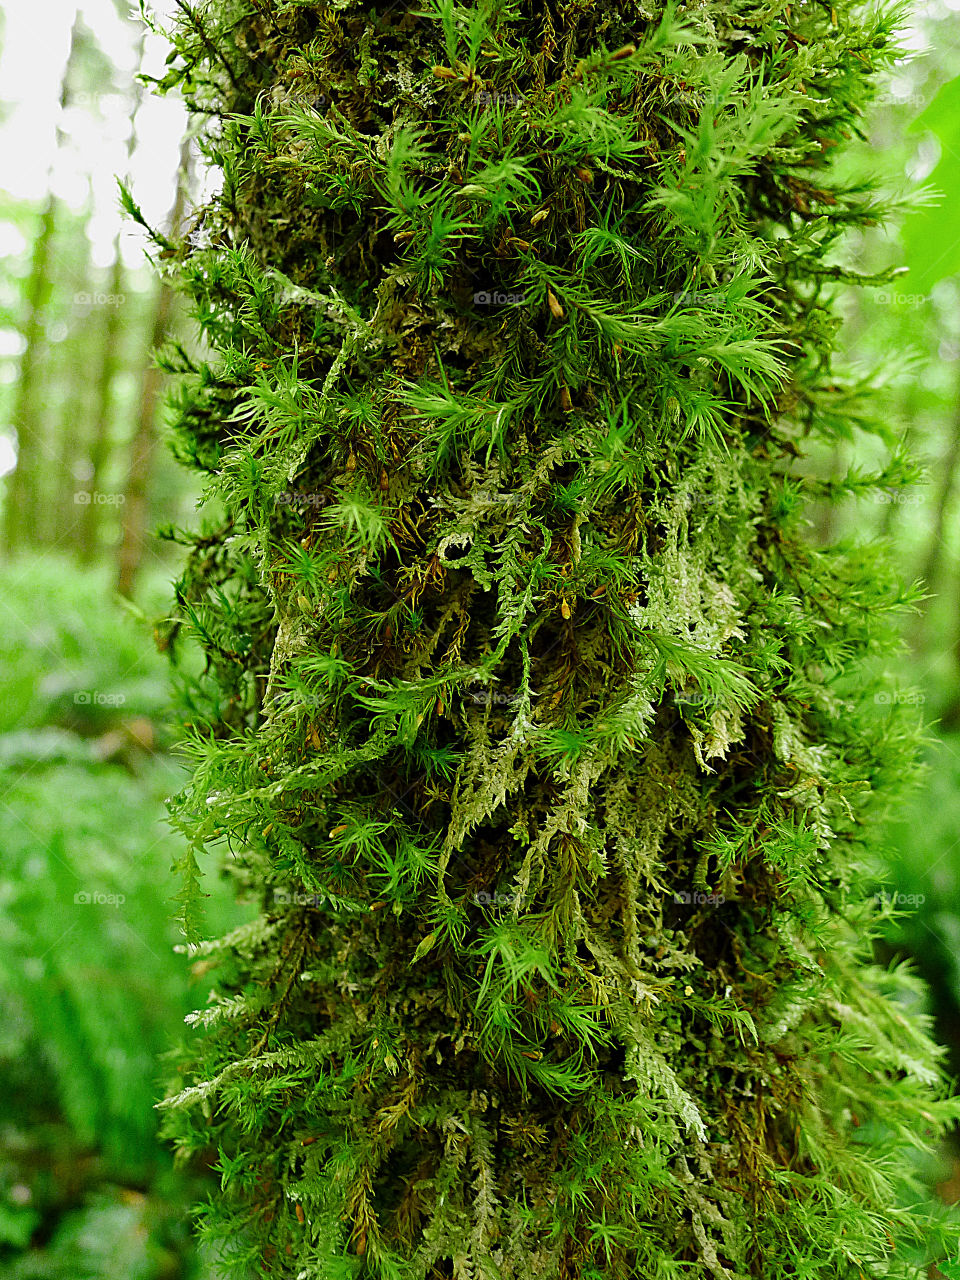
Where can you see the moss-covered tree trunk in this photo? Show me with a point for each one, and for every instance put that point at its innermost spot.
(550, 750)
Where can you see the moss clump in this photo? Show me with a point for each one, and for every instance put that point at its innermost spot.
(548, 743)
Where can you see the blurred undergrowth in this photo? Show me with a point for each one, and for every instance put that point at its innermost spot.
(91, 989)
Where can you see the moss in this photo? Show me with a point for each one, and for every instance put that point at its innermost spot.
(547, 742)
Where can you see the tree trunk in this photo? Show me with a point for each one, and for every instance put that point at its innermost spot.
(930, 570)
(102, 435)
(542, 731)
(102, 427)
(75, 409)
(133, 513)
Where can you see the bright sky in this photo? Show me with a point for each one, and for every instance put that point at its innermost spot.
(36, 39)
(35, 45)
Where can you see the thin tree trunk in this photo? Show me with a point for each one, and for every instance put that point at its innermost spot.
(827, 521)
(933, 563)
(133, 512)
(70, 446)
(110, 365)
(933, 560)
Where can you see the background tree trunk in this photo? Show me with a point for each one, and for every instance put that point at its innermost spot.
(947, 478)
(72, 415)
(134, 511)
(103, 428)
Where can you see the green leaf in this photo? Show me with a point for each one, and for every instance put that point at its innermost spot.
(931, 235)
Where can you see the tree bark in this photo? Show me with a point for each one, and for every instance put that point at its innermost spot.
(102, 426)
(74, 410)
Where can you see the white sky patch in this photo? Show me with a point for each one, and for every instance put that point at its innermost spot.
(8, 456)
(12, 342)
(12, 242)
(83, 172)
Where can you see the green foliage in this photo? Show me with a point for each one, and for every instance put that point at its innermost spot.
(550, 744)
(91, 989)
(930, 234)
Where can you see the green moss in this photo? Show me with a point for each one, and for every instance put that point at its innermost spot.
(548, 743)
